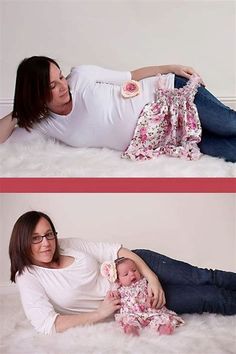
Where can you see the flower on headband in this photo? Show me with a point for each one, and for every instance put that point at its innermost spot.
(130, 89)
(108, 271)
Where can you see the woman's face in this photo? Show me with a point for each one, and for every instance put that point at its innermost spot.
(59, 88)
(42, 252)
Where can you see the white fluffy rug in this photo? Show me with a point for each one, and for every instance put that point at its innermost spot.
(202, 334)
(40, 158)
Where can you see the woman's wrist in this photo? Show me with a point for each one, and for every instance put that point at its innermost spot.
(152, 277)
(64, 322)
(167, 69)
(98, 316)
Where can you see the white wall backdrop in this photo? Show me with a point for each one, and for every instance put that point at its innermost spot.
(121, 34)
(197, 228)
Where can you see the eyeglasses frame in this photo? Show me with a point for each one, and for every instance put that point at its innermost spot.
(45, 235)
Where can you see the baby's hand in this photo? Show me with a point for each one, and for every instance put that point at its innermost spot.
(113, 295)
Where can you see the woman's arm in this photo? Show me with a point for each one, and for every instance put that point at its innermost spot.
(181, 70)
(7, 125)
(101, 251)
(108, 306)
(155, 291)
(42, 315)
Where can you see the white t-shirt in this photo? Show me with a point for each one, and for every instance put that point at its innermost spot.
(80, 287)
(100, 116)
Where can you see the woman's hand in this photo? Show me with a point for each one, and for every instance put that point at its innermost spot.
(181, 70)
(7, 125)
(155, 293)
(109, 305)
(185, 71)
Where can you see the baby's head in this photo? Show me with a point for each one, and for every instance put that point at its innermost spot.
(127, 272)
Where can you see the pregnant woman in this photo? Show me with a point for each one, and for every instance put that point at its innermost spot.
(86, 109)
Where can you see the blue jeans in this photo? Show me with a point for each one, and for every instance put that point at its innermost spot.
(190, 289)
(218, 124)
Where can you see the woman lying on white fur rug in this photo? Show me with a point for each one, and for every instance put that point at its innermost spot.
(61, 285)
(101, 108)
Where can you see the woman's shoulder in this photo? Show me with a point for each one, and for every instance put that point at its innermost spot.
(73, 246)
(87, 68)
(86, 72)
(80, 75)
(83, 70)
(70, 242)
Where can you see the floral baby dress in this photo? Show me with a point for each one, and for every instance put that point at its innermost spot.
(170, 125)
(135, 310)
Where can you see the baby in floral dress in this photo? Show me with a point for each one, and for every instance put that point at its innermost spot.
(135, 312)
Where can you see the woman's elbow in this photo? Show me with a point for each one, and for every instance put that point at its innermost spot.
(46, 326)
(3, 139)
(59, 324)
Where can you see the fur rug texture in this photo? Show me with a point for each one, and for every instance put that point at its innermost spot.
(44, 158)
(201, 334)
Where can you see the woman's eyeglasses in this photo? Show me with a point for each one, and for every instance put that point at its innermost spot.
(50, 235)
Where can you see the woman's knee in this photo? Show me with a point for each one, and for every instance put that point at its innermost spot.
(217, 146)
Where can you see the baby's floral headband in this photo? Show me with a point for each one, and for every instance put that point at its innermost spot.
(108, 269)
(130, 89)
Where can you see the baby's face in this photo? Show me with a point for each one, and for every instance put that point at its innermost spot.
(128, 273)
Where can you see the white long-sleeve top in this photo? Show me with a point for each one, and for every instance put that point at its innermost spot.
(100, 116)
(45, 293)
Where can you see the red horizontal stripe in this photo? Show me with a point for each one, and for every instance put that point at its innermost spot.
(117, 185)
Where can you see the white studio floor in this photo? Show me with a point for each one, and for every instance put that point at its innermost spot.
(201, 334)
(42, 158)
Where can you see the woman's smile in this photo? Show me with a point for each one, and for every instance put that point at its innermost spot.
(47, 251)
(64, 94)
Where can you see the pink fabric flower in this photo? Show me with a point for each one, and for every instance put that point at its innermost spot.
(130, 89)
(108, 271)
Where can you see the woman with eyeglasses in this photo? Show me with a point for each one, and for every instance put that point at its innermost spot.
(61, 285)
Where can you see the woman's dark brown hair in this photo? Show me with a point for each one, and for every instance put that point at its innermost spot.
(32, 91)
(20, 242)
